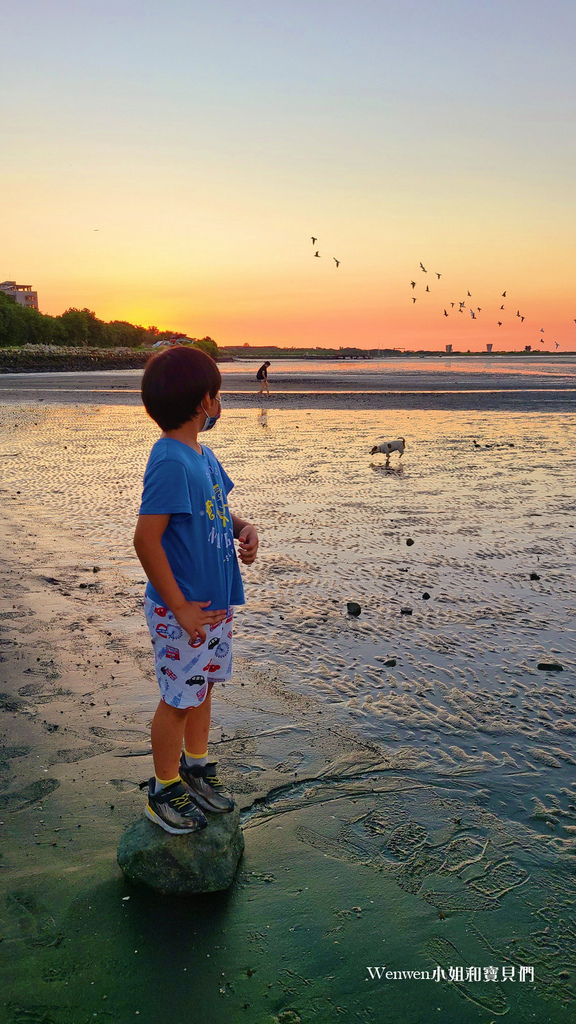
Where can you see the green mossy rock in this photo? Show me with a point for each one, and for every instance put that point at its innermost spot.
(176, 865)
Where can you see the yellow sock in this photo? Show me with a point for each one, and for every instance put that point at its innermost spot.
(164, 783)
(193, 760)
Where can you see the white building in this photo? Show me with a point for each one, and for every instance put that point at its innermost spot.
(21, 292)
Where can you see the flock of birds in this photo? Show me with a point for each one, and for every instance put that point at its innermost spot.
(317, 254)
(461, 305)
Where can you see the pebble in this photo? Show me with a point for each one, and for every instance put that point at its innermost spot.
(406, 611)
(353, 608)
(409, 542)
(549, 666)
(425, 596)
(534, 576)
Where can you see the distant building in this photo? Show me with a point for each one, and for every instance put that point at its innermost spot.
(448, 350)
(489, 346)
(21, 292)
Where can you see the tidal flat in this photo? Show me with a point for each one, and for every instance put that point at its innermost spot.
(406, 777)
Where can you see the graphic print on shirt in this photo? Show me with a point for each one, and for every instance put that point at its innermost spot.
(220, 532)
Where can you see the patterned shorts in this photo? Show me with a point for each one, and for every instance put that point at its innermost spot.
(185, 667)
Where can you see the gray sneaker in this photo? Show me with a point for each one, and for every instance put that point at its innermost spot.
(202, 792)
(173, 809)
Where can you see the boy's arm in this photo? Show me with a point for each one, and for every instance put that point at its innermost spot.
(247, 534)
(191, 615)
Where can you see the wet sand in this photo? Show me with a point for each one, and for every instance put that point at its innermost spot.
(410, 815)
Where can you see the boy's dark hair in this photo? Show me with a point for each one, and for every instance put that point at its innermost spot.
(175, 382)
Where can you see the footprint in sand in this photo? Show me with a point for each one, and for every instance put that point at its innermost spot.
(28, 795)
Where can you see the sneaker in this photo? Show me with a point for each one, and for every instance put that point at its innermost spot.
(202, 791)
(173, 810)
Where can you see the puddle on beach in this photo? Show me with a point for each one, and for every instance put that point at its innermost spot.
(435, 828)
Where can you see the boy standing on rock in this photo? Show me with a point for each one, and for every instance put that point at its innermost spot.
(185, 541)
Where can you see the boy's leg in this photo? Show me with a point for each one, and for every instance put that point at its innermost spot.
(197, 727)
(169, 802)
(193, 773)
(167, 733)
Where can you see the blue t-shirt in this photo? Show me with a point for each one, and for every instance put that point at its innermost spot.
(198, 541)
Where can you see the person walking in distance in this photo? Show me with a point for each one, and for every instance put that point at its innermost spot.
(262, 376)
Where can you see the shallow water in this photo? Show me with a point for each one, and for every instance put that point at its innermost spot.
(465, 808)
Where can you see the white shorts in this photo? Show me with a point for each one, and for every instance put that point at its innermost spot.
(185, 667)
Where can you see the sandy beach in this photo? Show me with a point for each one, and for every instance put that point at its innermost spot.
(406, 777)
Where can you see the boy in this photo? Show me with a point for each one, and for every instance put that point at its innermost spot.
(185, 541)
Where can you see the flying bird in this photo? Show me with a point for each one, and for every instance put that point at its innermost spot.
(469, 295)
(503, 295)
(501, 307)
(479, 308)
(499, 323)
(427, 288)
(413, 299)
(437, 274)
(557, 343)
(517, 312)
(423, 268)
(318, 255)
(413, 283)
(522, 319)
(541, 330)
(472, 314)
(314, 240)
(452, 304)
(445, 313)
(337, 262)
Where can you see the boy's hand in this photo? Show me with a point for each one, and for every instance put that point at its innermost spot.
(192, 616)
(248, 546)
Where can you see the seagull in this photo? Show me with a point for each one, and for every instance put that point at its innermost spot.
(413, 299)
(462, 304)
(461, 310)
(479, 308)
(557, 343)
(314, 240)
(318, 255)
(413, 283)
(452, 304)
(423, 268)
(503, 295)
(501, 307)
(522, 319)
(445, 313)
(469, 295)
(541, 330)
(337, 262)
(517, 312)
(427, 288)
(472, 314)
(437, 274)
(499, 323)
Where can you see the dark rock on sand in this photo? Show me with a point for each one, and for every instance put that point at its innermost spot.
(405, 611)
(390, 663)
(534, 576)
(205, 861)
(409, 542)
(550, 666)
(425, 596)
(353, 608)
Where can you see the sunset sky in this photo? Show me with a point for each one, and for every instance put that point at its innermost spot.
(167, 162)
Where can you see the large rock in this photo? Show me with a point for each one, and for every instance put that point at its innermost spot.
(205, 861)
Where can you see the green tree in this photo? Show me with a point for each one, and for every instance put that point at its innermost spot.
(207, 345)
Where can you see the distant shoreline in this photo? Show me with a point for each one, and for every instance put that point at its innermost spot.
(48, 359)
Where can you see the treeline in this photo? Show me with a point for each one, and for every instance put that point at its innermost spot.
(78, 328)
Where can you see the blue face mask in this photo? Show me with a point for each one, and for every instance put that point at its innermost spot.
(210, 421)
